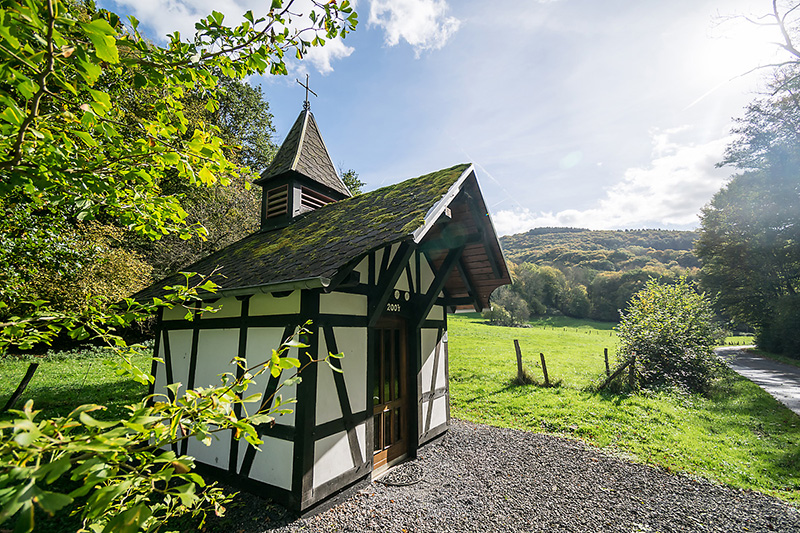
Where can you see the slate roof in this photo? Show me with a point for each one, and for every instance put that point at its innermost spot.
(318, 243)
(304, 151)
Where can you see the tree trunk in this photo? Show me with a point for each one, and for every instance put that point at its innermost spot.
(21, 387)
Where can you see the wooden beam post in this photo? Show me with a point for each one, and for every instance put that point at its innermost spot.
(519, 361)
(438, 284)
(389, 276)
(544, 370)
(608, 369)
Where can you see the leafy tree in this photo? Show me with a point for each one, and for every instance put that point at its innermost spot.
(93, 125)
(350, 178)
(670, 329)
(749, 231)
(507, 308)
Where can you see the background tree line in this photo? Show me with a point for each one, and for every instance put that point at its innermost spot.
(588, 274)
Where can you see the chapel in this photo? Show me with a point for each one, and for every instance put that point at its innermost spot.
(377, 274)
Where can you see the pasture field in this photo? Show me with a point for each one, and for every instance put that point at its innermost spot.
(738, 435)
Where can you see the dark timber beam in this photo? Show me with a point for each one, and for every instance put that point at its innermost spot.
(439, 281)
(389, 276)
(469, 284)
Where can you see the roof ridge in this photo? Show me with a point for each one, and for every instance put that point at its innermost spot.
(303, 130)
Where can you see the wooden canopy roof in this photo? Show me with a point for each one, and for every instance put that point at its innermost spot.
(443, 213)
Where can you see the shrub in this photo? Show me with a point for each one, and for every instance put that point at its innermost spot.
(671, 331)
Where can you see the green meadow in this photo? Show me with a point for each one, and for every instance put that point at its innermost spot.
(738, 435)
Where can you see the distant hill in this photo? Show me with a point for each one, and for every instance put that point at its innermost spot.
(603, 250)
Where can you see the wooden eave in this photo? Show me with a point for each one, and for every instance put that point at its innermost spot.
(463, 220)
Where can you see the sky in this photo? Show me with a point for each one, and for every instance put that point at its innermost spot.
(600, 115)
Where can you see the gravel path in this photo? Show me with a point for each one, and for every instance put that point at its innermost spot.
(482, 478)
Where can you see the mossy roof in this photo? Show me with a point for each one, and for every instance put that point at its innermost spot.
(319, 243)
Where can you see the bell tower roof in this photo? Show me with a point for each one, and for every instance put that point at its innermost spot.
(304, 152)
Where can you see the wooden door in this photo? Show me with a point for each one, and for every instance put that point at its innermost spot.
(390, 393)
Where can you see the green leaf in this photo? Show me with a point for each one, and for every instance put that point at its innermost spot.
(25, 522)
(103, 38)
(129, 521)
(93, 422)
(50, 502)
(186, 493)
(86, 138)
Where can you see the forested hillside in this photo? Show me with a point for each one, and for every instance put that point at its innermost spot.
(585, 273)
(602, 250)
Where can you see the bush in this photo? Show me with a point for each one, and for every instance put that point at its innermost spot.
(671, 331)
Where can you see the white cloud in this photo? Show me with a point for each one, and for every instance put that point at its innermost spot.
(421, 23)
(680, 179)
(321, 57)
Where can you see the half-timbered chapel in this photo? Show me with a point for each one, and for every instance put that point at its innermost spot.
(376, 274)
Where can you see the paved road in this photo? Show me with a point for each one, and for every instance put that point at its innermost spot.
(780, 380)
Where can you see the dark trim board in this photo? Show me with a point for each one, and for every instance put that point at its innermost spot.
(236, 322)
(433, 433)
(306, 412)
(156, 348)
(253, 486)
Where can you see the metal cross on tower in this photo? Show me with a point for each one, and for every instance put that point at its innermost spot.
(306, 104)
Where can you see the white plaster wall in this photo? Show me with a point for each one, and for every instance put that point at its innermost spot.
(436, 313)
(378, 262)
(268, 304)
(225, 308)
(352, 342)
(161, 368)
(441, 376)
(260, 343)
(439, 414)
(328, 407)
(217, 454)
(175, 313)
(361, 435)
(180, 345)
(426, 275)
(339, 303)
(413, 263)
(402, 282)
(423, 420)
(331, 458)
(273, 464)
(363, 269)
(215, 350)
(428, 347)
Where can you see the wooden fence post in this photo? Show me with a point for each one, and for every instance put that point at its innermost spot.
(519, 361)
(605, 354)
(544, 370)
(632, 372)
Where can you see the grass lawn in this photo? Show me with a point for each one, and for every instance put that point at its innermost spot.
(68, 379)
(739, 435)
